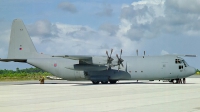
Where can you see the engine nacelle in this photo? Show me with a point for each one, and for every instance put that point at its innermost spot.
(99, 60)
(102, 60)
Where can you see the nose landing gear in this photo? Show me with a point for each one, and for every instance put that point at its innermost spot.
(178, 81)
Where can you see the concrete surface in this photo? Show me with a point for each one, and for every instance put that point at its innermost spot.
(125, 96)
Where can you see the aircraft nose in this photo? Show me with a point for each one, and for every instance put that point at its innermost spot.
(192, 70)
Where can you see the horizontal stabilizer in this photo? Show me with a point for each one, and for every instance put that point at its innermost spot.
(15, 60)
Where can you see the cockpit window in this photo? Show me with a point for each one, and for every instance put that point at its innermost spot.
(185, 63)
(178, 61)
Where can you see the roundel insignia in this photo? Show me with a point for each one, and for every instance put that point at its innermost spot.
(55, 64)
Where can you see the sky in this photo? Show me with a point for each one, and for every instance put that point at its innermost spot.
(92, 27)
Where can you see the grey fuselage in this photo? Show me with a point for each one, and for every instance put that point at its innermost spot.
(135, 68)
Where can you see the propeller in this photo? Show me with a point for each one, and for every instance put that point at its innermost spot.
(120, 60)
(109, 59)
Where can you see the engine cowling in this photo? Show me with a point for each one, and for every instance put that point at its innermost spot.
(99, 60)
(102, 60)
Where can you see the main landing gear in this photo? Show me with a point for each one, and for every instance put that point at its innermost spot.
(178, 81)
(95, 82)
(105, 82)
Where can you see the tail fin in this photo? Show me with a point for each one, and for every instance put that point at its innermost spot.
(21, 45)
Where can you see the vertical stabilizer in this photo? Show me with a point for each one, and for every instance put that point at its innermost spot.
(21, 45)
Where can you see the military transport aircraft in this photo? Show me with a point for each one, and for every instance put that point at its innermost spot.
(98, 69)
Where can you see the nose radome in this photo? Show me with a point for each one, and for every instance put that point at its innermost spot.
(192, 70)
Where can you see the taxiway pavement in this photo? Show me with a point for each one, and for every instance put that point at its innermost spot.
(74, 96)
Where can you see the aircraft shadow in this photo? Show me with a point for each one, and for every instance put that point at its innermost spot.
(123, 83)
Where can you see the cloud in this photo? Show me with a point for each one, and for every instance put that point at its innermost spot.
(184, 6)
(74, 39)
(182, 17)
(5, 37)
(67, 6)
(43, 28)
(109, 28)
(151, 19)
(106, 11)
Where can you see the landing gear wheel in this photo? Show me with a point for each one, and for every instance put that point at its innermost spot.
(177, 81)
(113, 81)
(184, 80)
(104, 82)
(95, 82)
(173, 81)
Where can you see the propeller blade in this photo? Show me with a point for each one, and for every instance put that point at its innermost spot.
(107, 53)
(109, 59)
(111, 52)
(117, 56)
(121, 53)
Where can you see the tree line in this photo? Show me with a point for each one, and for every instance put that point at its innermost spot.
(198, 72)
(27, 70)
(23, 74)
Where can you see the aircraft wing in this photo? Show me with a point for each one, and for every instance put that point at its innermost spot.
(84, 59)
(190, 55)
(187, 55)
(178, 55)
(75, 57)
